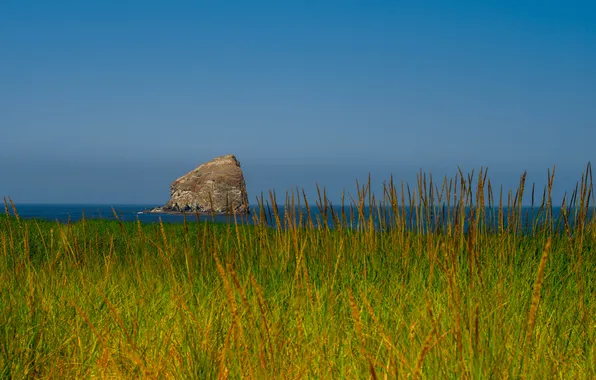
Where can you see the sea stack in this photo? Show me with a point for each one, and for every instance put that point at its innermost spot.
(217, 186)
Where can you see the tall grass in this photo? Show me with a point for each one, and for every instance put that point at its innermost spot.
(444, 280)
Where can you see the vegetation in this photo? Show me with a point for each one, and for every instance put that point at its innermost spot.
(463, 286)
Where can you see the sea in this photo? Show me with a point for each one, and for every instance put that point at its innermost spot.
(64, 213)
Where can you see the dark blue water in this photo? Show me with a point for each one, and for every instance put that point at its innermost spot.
(438, 216)
(63, 213)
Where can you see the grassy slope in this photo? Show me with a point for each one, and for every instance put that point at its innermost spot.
(104, 299)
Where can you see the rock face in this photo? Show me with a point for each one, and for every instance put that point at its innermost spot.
(216, 186)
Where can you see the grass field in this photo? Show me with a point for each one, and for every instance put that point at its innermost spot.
(453, 297)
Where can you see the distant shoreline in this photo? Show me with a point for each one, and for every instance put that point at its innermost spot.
(204, 213)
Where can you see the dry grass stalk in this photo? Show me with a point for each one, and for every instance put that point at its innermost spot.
(14, 210)
(358, 321)
(536, 294)
(6, 210)
(426, 348)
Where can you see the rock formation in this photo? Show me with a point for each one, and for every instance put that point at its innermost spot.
(216, 186)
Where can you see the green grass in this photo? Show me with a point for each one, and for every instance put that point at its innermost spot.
(108, 299)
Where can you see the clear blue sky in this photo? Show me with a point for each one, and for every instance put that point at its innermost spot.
(109, 101)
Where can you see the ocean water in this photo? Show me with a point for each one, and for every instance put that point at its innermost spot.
(75, 212)
(63, 213)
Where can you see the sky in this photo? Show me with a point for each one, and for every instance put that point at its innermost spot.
(110, 101)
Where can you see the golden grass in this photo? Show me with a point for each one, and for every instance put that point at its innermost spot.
(441, 281)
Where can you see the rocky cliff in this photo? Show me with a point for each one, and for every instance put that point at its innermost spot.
(215, 186)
